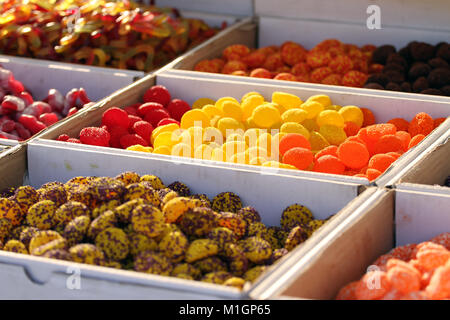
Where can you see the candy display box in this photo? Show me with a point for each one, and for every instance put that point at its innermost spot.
(384, 220)
(36, 277)
(190, 89)
(233, 7)
(266, 30)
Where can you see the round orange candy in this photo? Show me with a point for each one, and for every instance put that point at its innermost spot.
(341, 64)
(348, 292)
(319, 74)
(353, 154)
(261, 73)
(400, 123)
(285, 76)
(373, 285)
(255, 59)
(333, 80)
(362, 135)
(403, 279)
(207, 66)
(354, 79)
(439, 286)
(292, 53)
(292, 140)
(301, 68)
(380, 162)
(330, 150)
(422, 123)
(438, 121)
(416, 140)
(351, 128)
(372, 174)
(303, 78)
(405, 137)
(235, 52)
(388, 143)
(395, 155)
(329, 164)
(298, 157)
(273, 62)
(369, 118)
(234, 65)
(317, 59)
(376, 131)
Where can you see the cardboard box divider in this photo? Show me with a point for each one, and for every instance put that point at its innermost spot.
(264, 31)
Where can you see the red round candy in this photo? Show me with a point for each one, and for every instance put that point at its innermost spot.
(155, 116)
(177, 108)
(157, 94)
(143, 129)
(165, 121)
(131, 140)
(95, 136)
(143, 109)
(115, 117)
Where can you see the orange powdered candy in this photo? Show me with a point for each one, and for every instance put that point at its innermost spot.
(405, 137)
(388, 143)
(353, 154)
(380, 162)
(422, 123)
(351, 128)
(330, 150)
(376, 131)
(369, 118)
(372, 174)
(329, 164)
(416, 140)
(400, 123)
(300, 158)
(292, 140)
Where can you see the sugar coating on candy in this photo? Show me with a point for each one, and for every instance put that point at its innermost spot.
(102, 222)
(200, 249)
(353, 154)
(69, 211)
(222, 236)
(365, 290)
(234, 222)
(166, 195)
(179, 187)
(203, 198)
(198, 221)
(140, 242)
(295, 214)
(211, 264)
(41, 215)
(52, 245)
(415, 140)
(27, 234)
(147, 219)
(60, 254)
(141, 191)
(380, 162)
(105, 188)
(249, 214)
(87, 253)
(128, 177)
(174, 245)
(227, 202)
(113, 242)
(10, 210)
(178, 206)
(55, 193)
(124, 211)
(76, 230)
(256, 249)
(186, 269)
(422, 123)
(103, 207)
(296, 236)
(254, 273)
(41, 238)
(300, 158)
(15, 246)
(26, 196)
(155, 181)
(218, 277)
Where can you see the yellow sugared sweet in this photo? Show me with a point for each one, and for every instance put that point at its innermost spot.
(294, 115)
(235, 137)
(218, 155)
(317, 141)
(195, 117)
(256, 152)
(334, 107)
(233, 147)
(229, 125)
(266, 115)
(168, 139)
(233, 110)
(193, 136)
(286, 100)
(166, 128)
(203, 151)
(352, 114)
(265, 142)
(212, 111)
(213, 135)
(293, 127)
(138, 147)
(313, 108)
(251, 93)
(251, 136)
(181, 150)
(162, 150)
(176, 207)
(219, 103)
(330, 117)
(320, 98)
(249, 104)
(199, 103)
(333, 134)
(257, 161)
(311, 125)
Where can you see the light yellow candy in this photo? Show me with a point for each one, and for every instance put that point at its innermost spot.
(330, 117)
(233, 110)
(166, 128)
(240, 158)
(352, 114)
(265, 142)
(218, 155)
(203, 151)
(193, 136)
(199, 103)
(324, 100)
(317, 141)
(313, 108)
(310, 124)
(182, 150)
(162, 150)
(249, 104)
(279, 107)
(256, 152)
(266, 116)
(167, 139)
(293, 127)
(212, 134)
(138, 147)
(219, 103)
(251, 93)
(333, 134)
(333, 107)
(212, 111)
(294, 115)
(235, 137)
(231, 148)
(286, 100)
(251, 136)
(195, 117)
(229, 125)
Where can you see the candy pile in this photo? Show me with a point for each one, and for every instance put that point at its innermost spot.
(21, 116)
(418, 67)
(411, 272)
(119, 34)
(330, 62)
(136, 223)
(134, 125)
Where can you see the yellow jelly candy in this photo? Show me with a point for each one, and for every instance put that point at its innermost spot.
(235, 137)
(162, 150)
(167, 139)
(311, 125)
(287, 100)
(182, 150)
(265, 141)
(138, 147)
(249, 104)
(317, 141)
(195, 117)
(166, 128)
(280, 108)
(324, 100)
(294, 115)
(199, 103)
(212, 134)
(229, 126)
(250, 124)
(313, 109)
(257, 161)
(251, 136)
(219, 103)
(252, 93)
(266, 116)
(233, 110)
(352, 114)
(231, 148)
(193, 136)
(334, 107)
(330, 117)
(218, 155)
(293, 127)
(333, 134)
(212, 111)
(240, 158)
(256, 152)
(203, 151)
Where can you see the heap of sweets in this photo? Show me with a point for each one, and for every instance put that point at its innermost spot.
(21, 116)
(329, 62)
(410, 272)
(118, 34)
(134, 125)
(137, 223)
(419, 67)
